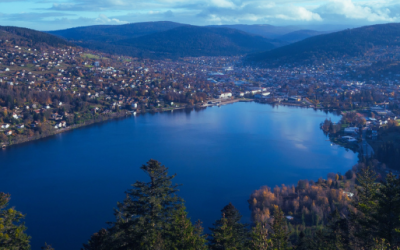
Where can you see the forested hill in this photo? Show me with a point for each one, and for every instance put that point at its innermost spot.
(185, 40)
(299, 35)
(200, 41)
(106, 33)
(351, 42)
(32, 37)
(264, 30)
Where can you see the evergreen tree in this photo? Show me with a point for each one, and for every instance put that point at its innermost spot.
(280, 233)
(47, 247)
(259, 237)
(145, 218)
(388, 210)
(321, 241)
(12, 236)
(305, 242)
(337, 232)
(228, 232)
(185, 236)
(98, 241)
(363, 221)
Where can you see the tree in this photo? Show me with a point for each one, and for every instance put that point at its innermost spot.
(280, 234)
(259, 237)
(228, 232)
(388, 210)
(366, 205)
(98, 241)
(305, 242)
(47, 247)
(185, 236)
(144, 219)
(12, 236)
(337, 232)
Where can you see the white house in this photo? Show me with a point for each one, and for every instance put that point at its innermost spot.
(225, 95)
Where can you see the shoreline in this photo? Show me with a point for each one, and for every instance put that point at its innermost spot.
(130, 113)
(110, 117)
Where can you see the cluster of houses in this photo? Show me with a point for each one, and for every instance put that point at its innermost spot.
(130, 83)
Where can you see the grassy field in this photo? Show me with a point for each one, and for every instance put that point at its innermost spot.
(89, 56)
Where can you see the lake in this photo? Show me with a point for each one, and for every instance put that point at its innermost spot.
(68, 184)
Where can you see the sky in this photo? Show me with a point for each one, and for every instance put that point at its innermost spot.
(61, 14)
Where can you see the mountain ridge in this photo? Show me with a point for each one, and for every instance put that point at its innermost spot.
(173, 41)
(350, 42)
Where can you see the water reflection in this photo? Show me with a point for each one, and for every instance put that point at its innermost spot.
(68, 184)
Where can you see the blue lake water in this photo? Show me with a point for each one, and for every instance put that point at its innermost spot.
(68, 184)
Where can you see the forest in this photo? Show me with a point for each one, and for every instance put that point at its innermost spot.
(170, 40)
(350, 42)
(33, 37)
(319, 215)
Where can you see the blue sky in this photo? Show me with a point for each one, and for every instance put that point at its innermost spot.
(61, 14)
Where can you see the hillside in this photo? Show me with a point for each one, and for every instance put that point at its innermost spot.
(299, 35)
(351, 42)
(264, 30)
(30, 37)
(199, 41)
(109, 33)
(177, 42)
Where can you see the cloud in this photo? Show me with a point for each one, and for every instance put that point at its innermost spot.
(32, 16)
(299, 14)
(205, 12)
(103, 19)
(300, 146)
(371, 12)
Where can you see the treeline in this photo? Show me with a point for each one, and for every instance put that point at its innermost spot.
(350, 42)
(174, 43)
(348, 119)
(307, 204)
(33, 37)
(389, 153)
(152, 216)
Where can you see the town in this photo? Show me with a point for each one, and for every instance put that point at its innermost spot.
(48, 90)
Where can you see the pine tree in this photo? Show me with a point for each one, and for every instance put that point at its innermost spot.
(228, 232)
(47, 247)
(146, 216)
(321, 241)
(98, 241)
(305, 242)
(337, 232)
(280, 233)
(12, 236)
(366, 204)
(259, 237)
(388, 210)
(185, 236)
